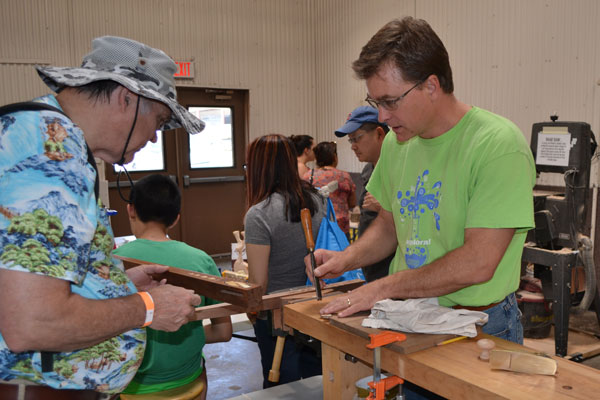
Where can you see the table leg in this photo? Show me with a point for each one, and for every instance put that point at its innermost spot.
(340, 375)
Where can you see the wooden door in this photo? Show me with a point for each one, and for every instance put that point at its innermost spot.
(208, 168)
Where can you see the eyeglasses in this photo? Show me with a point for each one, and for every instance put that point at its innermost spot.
(356, 138)
(390, 104)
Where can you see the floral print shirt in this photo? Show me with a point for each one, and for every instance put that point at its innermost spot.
(51, 224)
(339, 198)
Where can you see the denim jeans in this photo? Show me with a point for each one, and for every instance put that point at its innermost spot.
(504, 322)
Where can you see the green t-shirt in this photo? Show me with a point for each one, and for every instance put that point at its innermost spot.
(171, 359)
(479, 174)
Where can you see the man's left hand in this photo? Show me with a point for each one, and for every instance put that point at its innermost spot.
(141, 276)
(361, 299)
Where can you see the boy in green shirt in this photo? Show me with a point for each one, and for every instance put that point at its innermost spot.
(171, 359)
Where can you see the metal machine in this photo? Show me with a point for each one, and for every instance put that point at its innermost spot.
(558, 243)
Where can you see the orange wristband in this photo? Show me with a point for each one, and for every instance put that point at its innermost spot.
(149, 302)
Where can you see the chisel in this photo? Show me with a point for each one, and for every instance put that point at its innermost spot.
(310, 245)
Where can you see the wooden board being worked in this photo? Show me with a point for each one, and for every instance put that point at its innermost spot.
(247, 296)
(414, 341)
(276, 300)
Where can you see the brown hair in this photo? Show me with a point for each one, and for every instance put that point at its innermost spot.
(325, 153)
(272, 168)
(412, 46)
(301, 142)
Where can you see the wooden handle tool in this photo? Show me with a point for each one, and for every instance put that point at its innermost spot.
(276, 366)
(310, 245)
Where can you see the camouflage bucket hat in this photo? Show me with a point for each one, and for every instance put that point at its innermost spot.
(140, 68)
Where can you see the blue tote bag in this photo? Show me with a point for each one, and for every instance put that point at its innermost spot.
(331, 237)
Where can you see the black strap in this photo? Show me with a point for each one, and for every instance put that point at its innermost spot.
(312, 174)
(36, 106)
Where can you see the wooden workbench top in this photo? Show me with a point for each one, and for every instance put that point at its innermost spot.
(453, 370)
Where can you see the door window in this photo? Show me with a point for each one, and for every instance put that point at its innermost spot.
(213, 148)
(149, 158)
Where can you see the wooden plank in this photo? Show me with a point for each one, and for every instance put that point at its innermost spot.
(276, 300)
(217, 311)
(453, 370)
(243, 294)
(414, 341)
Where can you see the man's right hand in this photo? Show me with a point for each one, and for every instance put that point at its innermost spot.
(173, 307)
(330, 264)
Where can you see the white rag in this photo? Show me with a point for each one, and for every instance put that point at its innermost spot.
(424, 316)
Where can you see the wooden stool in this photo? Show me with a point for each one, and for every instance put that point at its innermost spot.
(185, 392)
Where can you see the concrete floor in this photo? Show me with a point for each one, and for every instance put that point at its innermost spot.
(234, 369)
(588, 323)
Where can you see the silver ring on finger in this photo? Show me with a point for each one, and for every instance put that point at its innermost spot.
(348, 300)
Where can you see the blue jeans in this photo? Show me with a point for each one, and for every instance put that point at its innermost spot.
(504, 322)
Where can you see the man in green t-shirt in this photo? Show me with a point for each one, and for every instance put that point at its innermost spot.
(454, 182)
(171, 359)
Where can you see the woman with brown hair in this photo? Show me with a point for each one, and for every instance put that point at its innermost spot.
(275, 243)
(304, 145)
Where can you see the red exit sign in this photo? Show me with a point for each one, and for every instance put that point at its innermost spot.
(185, 69)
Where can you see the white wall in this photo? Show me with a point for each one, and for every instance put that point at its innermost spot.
(521, 59)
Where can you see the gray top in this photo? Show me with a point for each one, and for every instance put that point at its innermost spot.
(265, 224)
(380, 268)
(366, 216)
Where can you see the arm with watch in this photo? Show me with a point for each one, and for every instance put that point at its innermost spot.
(42, 313)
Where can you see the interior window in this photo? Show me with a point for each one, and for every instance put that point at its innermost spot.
(149, 158)
(213, 147)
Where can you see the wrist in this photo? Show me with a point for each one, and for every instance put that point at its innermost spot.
(350, 260)
(149, 305)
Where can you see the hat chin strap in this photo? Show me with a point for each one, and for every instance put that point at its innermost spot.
(137, 107)
(122, 160)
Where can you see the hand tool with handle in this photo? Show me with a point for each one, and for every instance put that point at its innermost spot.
(310, 245)
(274, 372)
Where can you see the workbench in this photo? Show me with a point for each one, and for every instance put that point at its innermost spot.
(452, 370)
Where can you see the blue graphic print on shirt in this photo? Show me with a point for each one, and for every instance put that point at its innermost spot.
(415, 203)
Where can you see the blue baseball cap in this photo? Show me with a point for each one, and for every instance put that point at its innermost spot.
(357, 118)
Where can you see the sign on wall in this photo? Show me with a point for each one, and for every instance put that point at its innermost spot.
(185, 69)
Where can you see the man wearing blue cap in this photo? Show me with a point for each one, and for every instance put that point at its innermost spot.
(365, 134)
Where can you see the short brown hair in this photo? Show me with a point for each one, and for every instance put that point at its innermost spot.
(412, 46)
(325, 153)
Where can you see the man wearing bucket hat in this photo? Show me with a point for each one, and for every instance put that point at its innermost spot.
(70, 318)
(365, 134)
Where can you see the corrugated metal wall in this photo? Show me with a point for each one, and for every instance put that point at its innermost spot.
(524, 60)
(343, 27)
(521, 59)
(266, 46)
